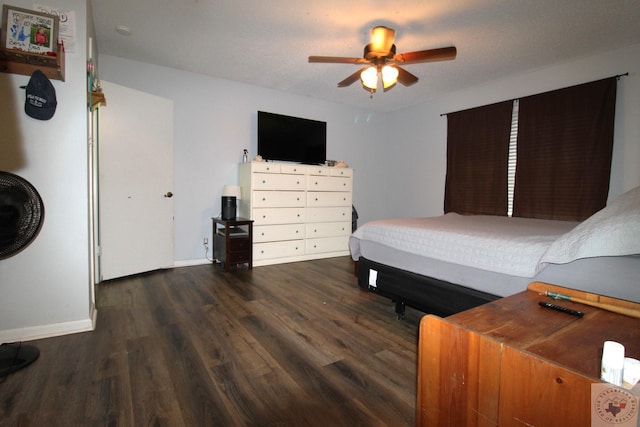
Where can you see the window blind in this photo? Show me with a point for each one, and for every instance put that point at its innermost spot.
(513, 157)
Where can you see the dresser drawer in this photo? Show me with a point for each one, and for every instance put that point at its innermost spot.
(329, 171)
(318, 170)
(328, 198)
(327, 244)
(293, 169)
(239, 244)
(271, 233)
(265, 167)
(331, 214)
(327, 229)
(328, 183)
(343, 172)
(262, 216)
(238, 257)
(277, 249)
(269, 181)
(278, 199)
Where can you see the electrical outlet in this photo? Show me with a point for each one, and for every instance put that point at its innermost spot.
(205, 241)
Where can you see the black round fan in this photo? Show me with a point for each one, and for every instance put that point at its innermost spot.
(21, 214)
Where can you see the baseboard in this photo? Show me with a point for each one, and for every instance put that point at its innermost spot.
(49, 331)
(192, 262)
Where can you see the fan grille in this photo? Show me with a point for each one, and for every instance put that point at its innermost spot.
(21, 214)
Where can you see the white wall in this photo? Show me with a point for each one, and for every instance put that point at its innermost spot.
(424, 129)
(399, 158)
(44, 290)
(215, 120)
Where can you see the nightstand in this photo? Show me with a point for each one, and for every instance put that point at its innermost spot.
(232, 241)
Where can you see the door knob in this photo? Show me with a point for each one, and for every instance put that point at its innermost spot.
(169, 194)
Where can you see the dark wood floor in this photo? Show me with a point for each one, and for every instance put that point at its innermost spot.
(287, 345)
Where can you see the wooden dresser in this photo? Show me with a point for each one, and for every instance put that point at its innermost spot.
(513, 363)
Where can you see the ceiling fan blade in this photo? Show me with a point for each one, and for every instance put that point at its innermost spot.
(352, 78)
(337, 60)
(382, 39)
(431, 55)
(405, 77)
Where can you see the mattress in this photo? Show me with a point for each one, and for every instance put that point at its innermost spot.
(616, 276)
(501, 255)
(505, 245)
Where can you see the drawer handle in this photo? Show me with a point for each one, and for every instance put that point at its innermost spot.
(264, 181)
(264, 216)
(316, 199)
(264, 199)
(262, 233)
(315, 230)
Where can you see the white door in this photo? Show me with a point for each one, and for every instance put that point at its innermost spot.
(135, 182)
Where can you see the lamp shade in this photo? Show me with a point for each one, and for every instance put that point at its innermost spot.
(232, 191)
(389, 76)
(369, 77)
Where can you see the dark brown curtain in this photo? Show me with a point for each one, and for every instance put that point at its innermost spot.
(477, 157)
(565, 140)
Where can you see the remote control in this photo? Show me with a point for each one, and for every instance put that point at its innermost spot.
(561, 308)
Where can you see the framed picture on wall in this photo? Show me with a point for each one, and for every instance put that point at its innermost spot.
(28, 30)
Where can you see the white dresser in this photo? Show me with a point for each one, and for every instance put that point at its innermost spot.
(300, 212)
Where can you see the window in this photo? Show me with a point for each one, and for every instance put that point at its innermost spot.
(544, 156)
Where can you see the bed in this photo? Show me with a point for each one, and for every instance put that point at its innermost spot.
(450, 263)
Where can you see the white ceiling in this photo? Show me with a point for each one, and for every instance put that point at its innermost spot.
(267, 42)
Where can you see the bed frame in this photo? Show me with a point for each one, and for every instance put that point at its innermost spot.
(424, 293)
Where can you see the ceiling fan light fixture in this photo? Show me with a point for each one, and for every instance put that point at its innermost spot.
(389, 76)
(382, 39)
(381, 65)
(369, 77)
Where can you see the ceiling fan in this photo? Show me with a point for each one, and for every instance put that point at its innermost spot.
(381, 62)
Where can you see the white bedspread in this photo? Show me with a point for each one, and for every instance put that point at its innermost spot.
(506, 245)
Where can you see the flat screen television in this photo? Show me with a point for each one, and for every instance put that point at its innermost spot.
(291, 139)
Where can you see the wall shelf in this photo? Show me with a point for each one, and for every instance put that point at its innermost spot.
(98, 99)
(21, 62)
